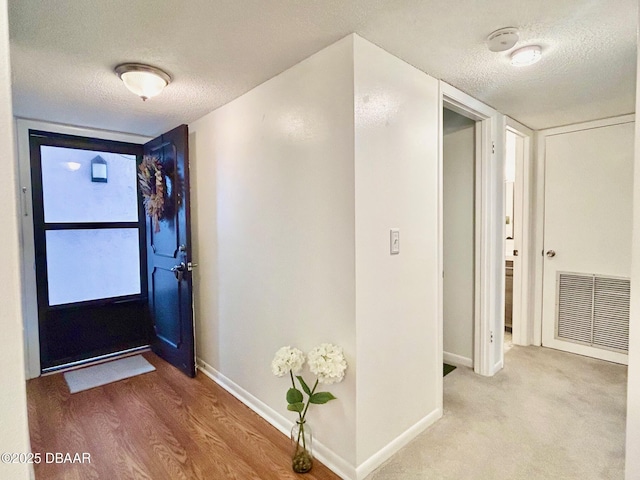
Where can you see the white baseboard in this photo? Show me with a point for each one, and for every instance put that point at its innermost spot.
(497, 367)
(382, 455)
(457, 360)
(330, 459)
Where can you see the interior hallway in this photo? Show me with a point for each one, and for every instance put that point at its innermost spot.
(546, 415)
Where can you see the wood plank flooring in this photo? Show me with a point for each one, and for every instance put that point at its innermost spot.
(156, 426)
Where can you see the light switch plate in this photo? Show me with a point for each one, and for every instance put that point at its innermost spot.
(395, 241)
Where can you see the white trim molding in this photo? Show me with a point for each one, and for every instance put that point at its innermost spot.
(499, 365)
(328, 457)
(382, 455)
(440, 307)
(523, 287)
(464, 104)
(457, 360)
(489, 235)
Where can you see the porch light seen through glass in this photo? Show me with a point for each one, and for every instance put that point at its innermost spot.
(99, 169)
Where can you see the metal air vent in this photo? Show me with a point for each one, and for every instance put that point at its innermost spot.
(593, 310)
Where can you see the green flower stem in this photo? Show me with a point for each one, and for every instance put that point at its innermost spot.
(304, 413)
(303, 416)
(293, 384)
(301, 434)
(301, 429)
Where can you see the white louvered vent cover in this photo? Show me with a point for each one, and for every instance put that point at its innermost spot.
(593, 310)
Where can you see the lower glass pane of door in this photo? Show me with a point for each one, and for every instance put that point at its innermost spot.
(90, 264)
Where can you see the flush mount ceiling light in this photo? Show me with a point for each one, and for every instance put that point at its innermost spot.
(143, 80)
(526, 56)
(503, 39)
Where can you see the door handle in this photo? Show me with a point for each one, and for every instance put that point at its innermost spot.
(551, 253)
(191, 266)
(178, 270)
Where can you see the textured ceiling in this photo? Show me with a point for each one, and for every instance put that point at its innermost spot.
(63, 53)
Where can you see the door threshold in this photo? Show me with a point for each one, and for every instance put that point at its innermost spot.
(95, 360)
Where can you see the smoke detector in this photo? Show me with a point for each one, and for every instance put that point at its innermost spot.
(503, 39)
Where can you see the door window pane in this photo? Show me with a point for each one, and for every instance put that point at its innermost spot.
(72, 196)
(91, 264)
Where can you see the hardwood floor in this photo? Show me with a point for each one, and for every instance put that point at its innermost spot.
(156, 426)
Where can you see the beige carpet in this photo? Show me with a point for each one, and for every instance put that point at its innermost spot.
(547, 415)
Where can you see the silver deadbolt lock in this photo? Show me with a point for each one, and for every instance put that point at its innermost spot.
(551, 253)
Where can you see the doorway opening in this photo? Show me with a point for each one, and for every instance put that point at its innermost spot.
(459, 210)
(488, 230)
(514, 151)
(517, 261)
(112, 277)
(89, 239)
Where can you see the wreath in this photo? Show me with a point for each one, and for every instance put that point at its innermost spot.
(152, 187)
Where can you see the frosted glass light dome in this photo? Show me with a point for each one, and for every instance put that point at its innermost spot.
(526, 56)
(143, 80)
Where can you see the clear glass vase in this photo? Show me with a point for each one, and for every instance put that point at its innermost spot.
(301, 447)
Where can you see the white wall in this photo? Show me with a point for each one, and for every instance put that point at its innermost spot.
(14, 436)
(273, 214)
(459, 230)
(632, 470)
(396, 178)
(296, 185)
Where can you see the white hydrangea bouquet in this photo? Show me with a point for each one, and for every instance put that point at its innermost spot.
(327, 363)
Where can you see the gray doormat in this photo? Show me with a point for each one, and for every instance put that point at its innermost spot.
(91, 377)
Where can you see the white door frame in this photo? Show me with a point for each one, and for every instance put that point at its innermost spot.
(539, 207)
(522, 314)
(489, 229)
(29, 296)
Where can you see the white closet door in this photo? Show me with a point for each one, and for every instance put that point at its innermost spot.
(587, 236)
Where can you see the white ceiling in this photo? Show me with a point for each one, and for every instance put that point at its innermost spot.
(63, 53)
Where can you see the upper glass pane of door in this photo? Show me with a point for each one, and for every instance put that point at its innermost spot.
(81, 186)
